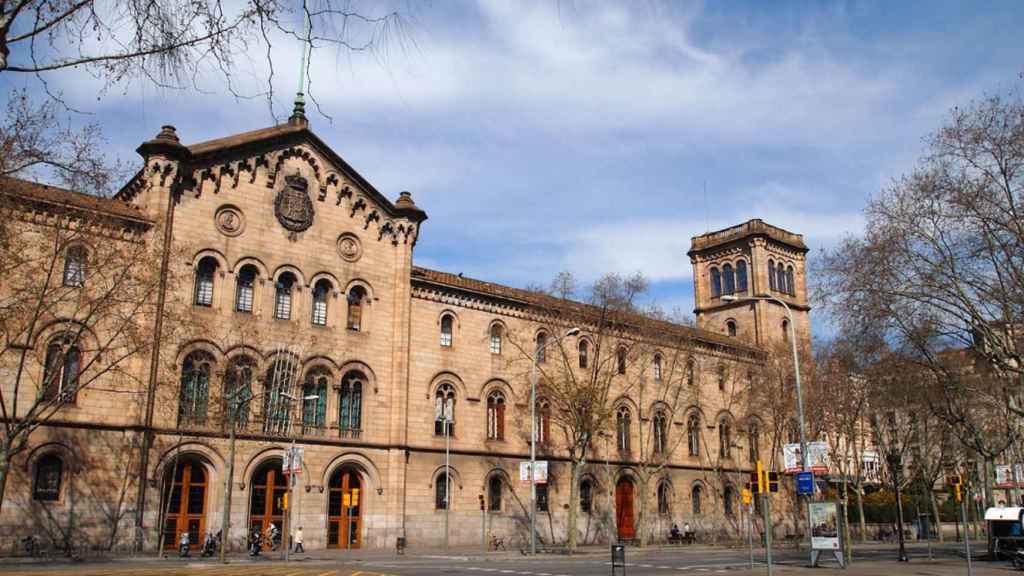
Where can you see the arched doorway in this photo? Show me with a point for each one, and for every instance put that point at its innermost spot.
(266, 497)
(185, 502)
(344, 507)
(624, 509)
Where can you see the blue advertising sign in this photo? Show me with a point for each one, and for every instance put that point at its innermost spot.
(804, 483)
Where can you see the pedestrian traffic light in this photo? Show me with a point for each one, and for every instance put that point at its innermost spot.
(481, 497)
(954, 480)
(355, 497)
(284, 501)
(772, 481)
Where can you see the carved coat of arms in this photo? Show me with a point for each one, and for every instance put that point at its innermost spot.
(293, 207)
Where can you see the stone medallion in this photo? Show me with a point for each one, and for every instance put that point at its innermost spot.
(349, 247)
(293, 207)
(229, 220)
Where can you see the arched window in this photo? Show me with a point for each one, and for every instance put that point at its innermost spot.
(723, 376)
(447, 322)
(195, 388)
(771, 275)
(442, 491)
(238, 389)
(728, 280)
(695, 497)
(660, 433)
(494, 489)
(314, 398)
(693, 435)
(657, 366)
(496, 339)
(790, 284)
(444, 410)
(785, 331)
(620, 360)
(622, 428)
(540, 352)
(356, 296)
(283, 296)
(741, 276)
(245, 285)
(729, 500)
(716, 283)
(61, 369)
(321, 291)
(724, 439)
(780, 271)
(75, 262)
(496, 416)
(584, 353)
(690, 372)
(586, 496)
(754, 442)
(204, 281)
(730, 328)
(350, 403)
(49, 473)
(542, 497)
(278, 384)
(543, 422)
(664, 496)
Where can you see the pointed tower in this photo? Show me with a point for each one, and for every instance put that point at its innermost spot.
(751, 259)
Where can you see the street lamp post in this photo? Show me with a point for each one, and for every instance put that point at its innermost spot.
(291, 481)
(235, 402)
(533, 436)
(799, 392)
(895, 465)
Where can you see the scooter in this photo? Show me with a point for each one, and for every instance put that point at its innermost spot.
(210, 545)
(1017, 558)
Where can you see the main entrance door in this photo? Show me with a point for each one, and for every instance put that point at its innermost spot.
(344, 506)
(624, 509)
(266, 497)
(185, 500)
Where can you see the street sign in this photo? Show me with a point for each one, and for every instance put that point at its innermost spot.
(805, 483)
(293, 460)
(542, 472)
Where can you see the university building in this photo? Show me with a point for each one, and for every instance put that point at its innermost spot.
(298, 316)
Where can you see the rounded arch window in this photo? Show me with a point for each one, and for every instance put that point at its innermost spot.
(194, 393)
(728, 280)
(620, 360)
(49, 474)
(283, 296)
(657, 366)
(321, 292)
(350, 403)
(314, 398)
(622, 428)
(741, 276)
(583, 349)
(76, 259)
(356, 300)
(495, 341)
(245, 287)
(494, 493)
(725, 439)
(238, 393)
(664, 497)
(693, 434)
(729, 500)
(772, 279)
(205, 272)
(696, 495)
(540, 352)
(586, 495)
(730, 328)
(444, 410)
(790, 283)
(61, 369)
(716, 283)
(659, 426)
(447, 326)
(496, 415)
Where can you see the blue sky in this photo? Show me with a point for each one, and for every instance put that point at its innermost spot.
(547, 136)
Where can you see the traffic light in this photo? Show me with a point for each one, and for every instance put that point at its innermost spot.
(956, 491)
(954, 480)
(481, 497)
(772, 481)
(760, 478)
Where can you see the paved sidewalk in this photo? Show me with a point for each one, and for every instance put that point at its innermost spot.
(944, 567)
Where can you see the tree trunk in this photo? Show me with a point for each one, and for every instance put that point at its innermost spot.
(574, 505)
(938, 519)
(4, 467)
(860, 512)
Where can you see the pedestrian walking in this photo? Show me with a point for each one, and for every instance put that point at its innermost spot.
(183, 545)
(298, 541)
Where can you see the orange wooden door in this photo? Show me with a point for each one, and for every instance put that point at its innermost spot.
(266, 498)
(186, 508)
(624, 509)
(344, 523)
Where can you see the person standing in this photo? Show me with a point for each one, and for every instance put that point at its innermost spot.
(183, 544)
(298, 541)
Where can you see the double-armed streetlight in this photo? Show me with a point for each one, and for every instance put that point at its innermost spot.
(291, 476)
(533, 434)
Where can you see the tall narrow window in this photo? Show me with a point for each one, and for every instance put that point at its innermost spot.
(75, 259)
(195, 388)
(771, 275)
(542, 497)
(716, 283)
(622, 429)
(278, 402)
(724, 439)
(695, 498)
(729, 501)
(60, 372)
(238, 390)
(730, 328)
(584, 353)
(728, 280)
(204, 281)
(350, 405)
(693, 435)
(321, 291)
(543, 422)
(657, 366)
(785, 331)
(620, 360)
(496, 416)
(780, 271)
(586, 496)
(283, 296)
(723, 376)
(245, 285)
(660, 432)
(314, 399)
(790, 284)
(542, 345)
(494, 490)
(663, 497)
(741, 276)
(446, 330)
(444, 410)
(690, 372)
(496, 339)
(754, 442)
(442, 491)
(49, 473)
(356, 296)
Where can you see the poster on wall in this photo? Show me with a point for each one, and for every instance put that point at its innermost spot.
(824, 525)
(817, 457)
(1003, 477)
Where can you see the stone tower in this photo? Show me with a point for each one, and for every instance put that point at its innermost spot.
(751, 259)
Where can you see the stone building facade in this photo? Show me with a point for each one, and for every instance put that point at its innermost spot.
(299, 315)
